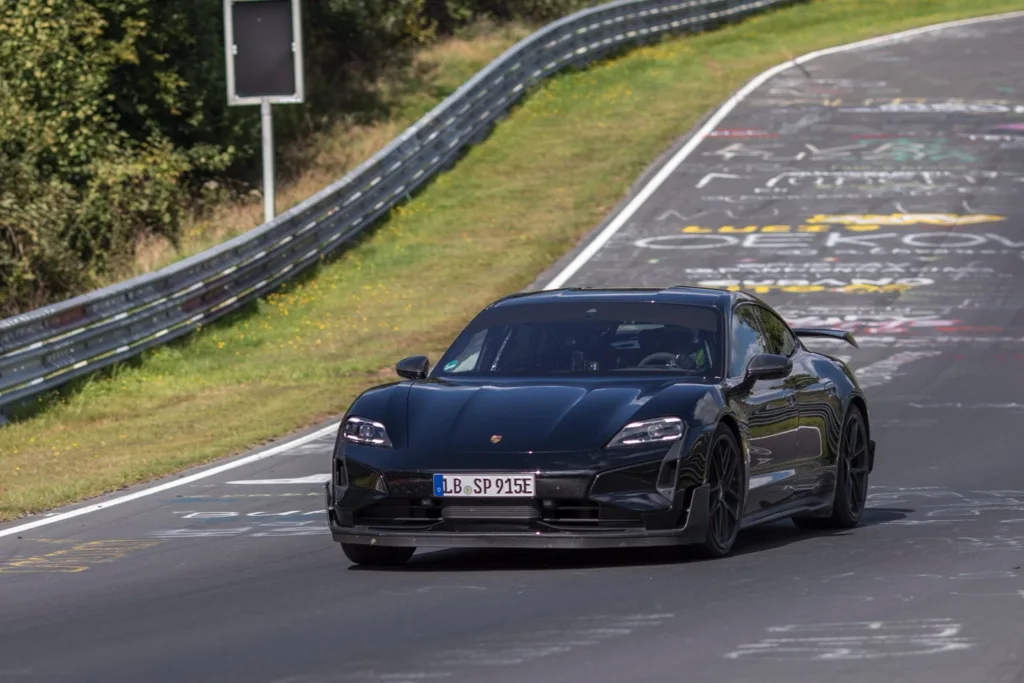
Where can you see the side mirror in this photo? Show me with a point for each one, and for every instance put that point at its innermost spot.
(413, 367)
(768, 366)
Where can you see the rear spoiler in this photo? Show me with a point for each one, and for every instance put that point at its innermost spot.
(841, 335)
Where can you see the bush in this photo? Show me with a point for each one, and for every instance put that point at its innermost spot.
(81, 181)
(113, 113)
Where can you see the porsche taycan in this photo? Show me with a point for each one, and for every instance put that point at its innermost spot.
(585, 418)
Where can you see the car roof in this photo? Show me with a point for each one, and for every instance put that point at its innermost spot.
(695, 296)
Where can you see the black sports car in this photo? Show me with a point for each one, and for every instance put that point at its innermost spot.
(584, 418)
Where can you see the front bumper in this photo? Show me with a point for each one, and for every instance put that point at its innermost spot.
(527, 534)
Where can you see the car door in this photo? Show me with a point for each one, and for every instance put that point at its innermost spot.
(771, 413)
(815, 399)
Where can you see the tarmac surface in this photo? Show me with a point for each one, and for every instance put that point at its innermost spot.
(881, 190)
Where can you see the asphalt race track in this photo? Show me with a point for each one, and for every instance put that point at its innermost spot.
(881, 189)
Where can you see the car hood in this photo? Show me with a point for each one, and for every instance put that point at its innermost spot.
(565, 416)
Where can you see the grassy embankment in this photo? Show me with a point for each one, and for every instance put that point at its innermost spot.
(483, 230)
(404, 93)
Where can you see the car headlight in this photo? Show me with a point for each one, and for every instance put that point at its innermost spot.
(366, 432)
(657, 430)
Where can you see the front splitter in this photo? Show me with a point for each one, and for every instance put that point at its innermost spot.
(693, 531)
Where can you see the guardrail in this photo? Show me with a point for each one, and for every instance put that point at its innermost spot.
(45, 348)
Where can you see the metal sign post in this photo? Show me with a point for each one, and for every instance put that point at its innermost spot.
(267, 138)
(263, 51)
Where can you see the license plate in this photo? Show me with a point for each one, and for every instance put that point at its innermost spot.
(485, 485)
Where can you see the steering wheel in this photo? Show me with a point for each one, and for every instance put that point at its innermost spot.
(667, 356)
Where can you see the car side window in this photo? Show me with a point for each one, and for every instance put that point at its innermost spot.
(747, 339)
(779, 338)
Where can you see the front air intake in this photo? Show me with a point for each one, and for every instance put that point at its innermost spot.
(516, 513)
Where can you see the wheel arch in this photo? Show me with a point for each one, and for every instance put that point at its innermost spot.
(858, 401)
(729, 421)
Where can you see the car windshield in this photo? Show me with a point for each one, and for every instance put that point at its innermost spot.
(587, 339)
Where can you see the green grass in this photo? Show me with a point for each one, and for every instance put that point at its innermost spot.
(485, 229)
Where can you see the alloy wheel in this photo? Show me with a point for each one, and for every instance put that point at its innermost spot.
(725, 480)
(855, 453)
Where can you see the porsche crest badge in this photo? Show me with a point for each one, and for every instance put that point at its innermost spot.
(496, 438)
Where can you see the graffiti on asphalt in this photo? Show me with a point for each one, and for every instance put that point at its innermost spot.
(802, 86)
(922, 106)
(874, 322)
(834, 267)
(857, 640)
(809, 243)
(77, 558)
(857, 179)
(943, 219)
(806, 286)
(899, 150)
(741, 133)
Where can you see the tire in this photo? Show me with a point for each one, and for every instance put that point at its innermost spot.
(377, 555)
(851, 478)
(727, 479)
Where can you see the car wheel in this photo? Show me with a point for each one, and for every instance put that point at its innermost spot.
(728, 493)
(851, 478)
(377, 555)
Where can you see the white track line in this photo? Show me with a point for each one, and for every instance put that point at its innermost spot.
(311, 479)
(568, 272)
(255, 457)
(668, 169)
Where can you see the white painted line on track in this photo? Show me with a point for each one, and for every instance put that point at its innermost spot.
(668, 169)
(311, 479)
(241, 462)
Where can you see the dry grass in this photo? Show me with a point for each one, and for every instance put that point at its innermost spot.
(482, 230)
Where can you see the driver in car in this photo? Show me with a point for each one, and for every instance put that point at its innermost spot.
(675, 347)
